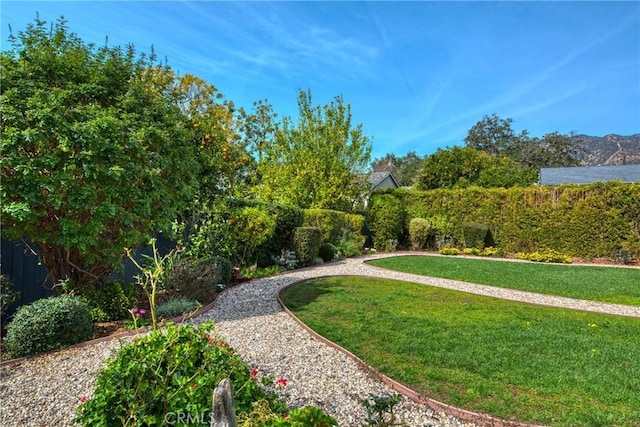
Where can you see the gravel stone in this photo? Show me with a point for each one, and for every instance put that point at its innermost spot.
(45, 390)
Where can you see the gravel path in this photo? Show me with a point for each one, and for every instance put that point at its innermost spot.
(45, 390)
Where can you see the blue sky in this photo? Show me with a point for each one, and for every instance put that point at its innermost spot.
(418, 75)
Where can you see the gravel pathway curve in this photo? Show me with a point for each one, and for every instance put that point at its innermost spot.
(45, 390)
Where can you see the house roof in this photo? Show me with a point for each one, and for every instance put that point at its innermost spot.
(376, 178)
(589, 174)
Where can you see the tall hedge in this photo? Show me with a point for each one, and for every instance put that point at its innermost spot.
(588, 221)
(385, 218)
(335, 224)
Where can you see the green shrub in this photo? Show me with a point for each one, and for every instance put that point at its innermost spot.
(472, 251)
(196, 279)
(545, 255)
(349, 245)
(327, 252)
(419, 232)
(491, 251)
(7, 294)
(354, 224)
(254, 272)
(48, 324)
(307, 416)
(447, 250)
(287, 218)
(177, 306)
(168, 372)
(329, 221)
(385, 219)
(307, 242)
(287, 259)
(111, 301)
(582, 220)
(476, 235)
(252, 226)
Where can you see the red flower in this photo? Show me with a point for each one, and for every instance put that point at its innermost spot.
(211, 340)
(192, 385)
(83, 399)
(232, 220)
(254, 372)
(282, 381)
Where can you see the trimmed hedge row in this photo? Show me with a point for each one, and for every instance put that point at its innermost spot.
(588, 221)
(334, 224)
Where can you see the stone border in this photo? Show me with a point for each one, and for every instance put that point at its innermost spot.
(462, 414)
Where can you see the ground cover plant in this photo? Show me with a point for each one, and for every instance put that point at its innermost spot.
(606, 284)
(512, 360)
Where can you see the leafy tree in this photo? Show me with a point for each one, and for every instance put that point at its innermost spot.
(94, 155)
(314, 163)
(215, 129)
(460, 167)
(405, 168)
(494, 136)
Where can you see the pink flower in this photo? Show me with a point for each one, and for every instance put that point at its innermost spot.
(254, 372)
(134, 310)
(282, 381)
(142, 311)
(83, 399)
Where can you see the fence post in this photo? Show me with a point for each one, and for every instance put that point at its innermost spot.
(224, 411)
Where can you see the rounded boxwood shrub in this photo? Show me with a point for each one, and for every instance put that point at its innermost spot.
(48, 324)
(327, 252)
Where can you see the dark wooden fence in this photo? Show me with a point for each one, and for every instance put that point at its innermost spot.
(20, 263)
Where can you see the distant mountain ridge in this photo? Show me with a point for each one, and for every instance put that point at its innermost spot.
(610, 149)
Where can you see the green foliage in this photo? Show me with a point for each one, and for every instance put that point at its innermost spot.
(314, 162)
(385, 218)
(48, 324)
(350, 245)
(205, 231)
(327, 252)
(252, 227)
(476, 235)
(463, 167)
(380, 410)
(111, 301)
(253, 272)
(307, 241)
(586, 221)
(419, 232)
(196, 278)
(545, 255)
(332, 223)
(177, 306)
(263, 416)
(95, 156)
(7, 294)
(494, 136)
(169, 372)
(448, 250)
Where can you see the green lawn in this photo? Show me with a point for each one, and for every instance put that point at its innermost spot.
(605, 284)
(512, 360)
